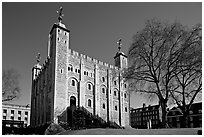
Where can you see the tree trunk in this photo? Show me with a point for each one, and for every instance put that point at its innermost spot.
(185, 118)
(164, 113)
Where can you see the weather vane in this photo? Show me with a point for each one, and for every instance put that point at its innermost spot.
(60, 15)
(38, 58)
(119, 44)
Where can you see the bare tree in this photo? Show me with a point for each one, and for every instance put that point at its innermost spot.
(153, 58)
(10, 85)
(188, 77)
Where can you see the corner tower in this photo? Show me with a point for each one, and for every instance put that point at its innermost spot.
(58, 51)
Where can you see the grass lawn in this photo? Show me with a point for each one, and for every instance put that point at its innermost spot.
(132, 131)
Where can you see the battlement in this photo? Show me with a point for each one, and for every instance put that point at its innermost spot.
(89, 59)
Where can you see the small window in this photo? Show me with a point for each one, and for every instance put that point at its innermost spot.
(70, 68)
(4, 117)
(19, 118)
(103, 79)
(125, 109)
(65, 33)
(125, 85)
(78, 71)
(26, 118)
(116, 108)
(58, 39)
(190, 112)
(65, 41)
(89, 86)
(12, 117)
(26, 113)
(19, 112)
(103, 90)
(73, 82)
(125, 95)
(89, 103)
(12, 111)
(115, 94)
(104, 106)
(5, 111)
(61, 71)
(84, 72)
(200, 111)
(75, 70)
(58, 30)
(115, 83)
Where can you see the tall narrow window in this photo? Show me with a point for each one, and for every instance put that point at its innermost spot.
(89, 86)
(73, 82)
(89, 103)
(103, 90)
(115, 94)
(104, 106)
(115, 83)
(116, 108)
(103, 79)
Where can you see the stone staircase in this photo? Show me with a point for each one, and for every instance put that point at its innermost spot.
(81, 118)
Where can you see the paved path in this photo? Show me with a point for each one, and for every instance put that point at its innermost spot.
(132, 131)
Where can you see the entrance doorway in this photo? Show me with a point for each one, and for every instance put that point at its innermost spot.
(72, 101)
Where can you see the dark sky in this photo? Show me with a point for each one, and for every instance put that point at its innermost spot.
(94, 30)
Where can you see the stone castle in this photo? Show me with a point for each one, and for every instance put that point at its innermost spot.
(68, 78)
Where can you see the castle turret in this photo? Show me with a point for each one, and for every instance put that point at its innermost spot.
(120, 57)
(36, 68)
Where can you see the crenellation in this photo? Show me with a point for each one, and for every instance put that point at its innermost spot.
(100, 62)
(69, 81)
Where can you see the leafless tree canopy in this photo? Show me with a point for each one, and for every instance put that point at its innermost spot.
(157, 55)
(10, 85)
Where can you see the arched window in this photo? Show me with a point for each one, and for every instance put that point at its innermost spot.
(116, 108)
(115, 83)
(115, 94)
(70, 68)
(89, 86)
(103, 90)
(104, 106)
(125, 95)
(73, 83)
(89, 103)
(125, 85)
(103, 79)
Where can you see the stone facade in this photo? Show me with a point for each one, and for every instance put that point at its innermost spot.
(68, 77)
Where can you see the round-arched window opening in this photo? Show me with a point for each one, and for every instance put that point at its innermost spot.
(115, 94)
(125, 109)
(73, 83)
(116, 108)
(104, 106)
(125, 95)
(103, 90)
(89, 103)
(89, 86)
(103, 79)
